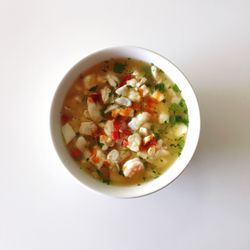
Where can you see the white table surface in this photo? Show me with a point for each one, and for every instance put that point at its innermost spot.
(43, 207)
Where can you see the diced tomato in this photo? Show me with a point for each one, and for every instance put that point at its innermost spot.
(117, 124)
(149, 104)
(126, 132)
(125, 143)
(76, 153)
(125, 79)
(95, 97)
(65, 118)
(98, 132)
(136, 106)
(115, 135)
(106, 164)
(145, 147)
(94, 158)
(105, 173)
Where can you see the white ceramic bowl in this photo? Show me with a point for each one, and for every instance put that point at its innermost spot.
(193, 130)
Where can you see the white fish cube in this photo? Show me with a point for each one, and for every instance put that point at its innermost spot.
(123, 101)
(132, 167)
(132, 82)
(139, 120)
(163, 118)
(143, 131)
(134, 142)
(112, 79)
(157, 95)
(89, 81)
(94, 109)
(109, 127)
(105, 93)
(145, 90)
(113, 155)
(122, 91)
(81, 143)
(134, 95)
(180, 129)
(68, 133)
(87, 128)
(110, 108)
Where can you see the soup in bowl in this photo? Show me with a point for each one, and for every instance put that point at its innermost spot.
(125, 121)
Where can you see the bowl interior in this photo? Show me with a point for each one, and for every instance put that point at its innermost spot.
(193, 130)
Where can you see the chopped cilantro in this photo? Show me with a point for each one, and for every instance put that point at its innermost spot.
(157, 136)
(176, 108)
(176, 88)
(104, 180)
(121, 173)
(178, 119)
(100, 144)
(183, 105)
(172, 119)
(180, 145)
(119, 68)
(147, 72)
(93, 89)
(107, 181)
(183, 119)
(160, 87)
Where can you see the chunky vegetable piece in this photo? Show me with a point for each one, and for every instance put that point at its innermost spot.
(124, 121)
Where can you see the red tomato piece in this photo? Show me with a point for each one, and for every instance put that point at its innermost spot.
(145, 147)
(127, 132)
(125, 143)
(125, 79)
(76, 153)
(117, 124)
(95, 97)
(65, 118)
(105, 173)
(115, 135)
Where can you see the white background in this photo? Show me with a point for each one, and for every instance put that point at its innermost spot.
(43, 207)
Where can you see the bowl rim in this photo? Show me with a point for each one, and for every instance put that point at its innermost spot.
(51, 114)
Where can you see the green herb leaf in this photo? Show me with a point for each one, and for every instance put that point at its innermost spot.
(107, 181)
(119, 68)
(176, 108)
(172, 119)
(100, 144)
(160, 87)
(183, 105)
(147, 72)
(157, 136)
(93, 89)
(181, 119)
(176, 88)
(121, 173)
(180, 145)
